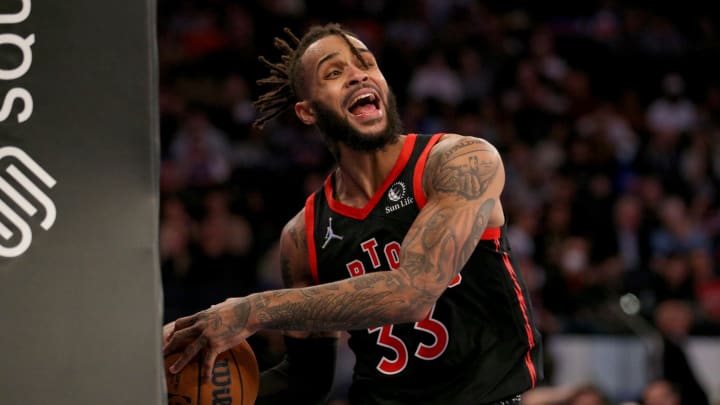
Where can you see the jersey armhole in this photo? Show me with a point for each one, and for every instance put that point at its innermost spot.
(420, 197)
(310, 237)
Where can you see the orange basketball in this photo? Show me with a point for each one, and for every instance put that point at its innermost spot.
(235, 379)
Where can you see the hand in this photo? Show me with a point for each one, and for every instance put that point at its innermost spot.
(211, 331)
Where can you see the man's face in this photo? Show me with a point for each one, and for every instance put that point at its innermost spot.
(347, 99)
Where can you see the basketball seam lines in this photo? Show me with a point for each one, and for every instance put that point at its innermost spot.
(242, 386)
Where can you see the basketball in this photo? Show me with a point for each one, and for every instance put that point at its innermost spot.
(235, 379)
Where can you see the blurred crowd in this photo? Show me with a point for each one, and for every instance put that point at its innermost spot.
(607, 116)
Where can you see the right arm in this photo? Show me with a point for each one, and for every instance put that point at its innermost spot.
(306, 373)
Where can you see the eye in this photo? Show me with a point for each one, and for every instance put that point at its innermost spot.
(333, 73)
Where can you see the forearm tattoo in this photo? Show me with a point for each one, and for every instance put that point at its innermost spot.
(357, 303)
(221, 329)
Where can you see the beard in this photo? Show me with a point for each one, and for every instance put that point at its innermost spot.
(337, 128)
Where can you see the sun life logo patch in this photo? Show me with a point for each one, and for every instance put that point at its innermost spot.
(397, 194)
(397, 191)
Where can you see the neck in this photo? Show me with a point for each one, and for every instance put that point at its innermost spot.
(360, 174)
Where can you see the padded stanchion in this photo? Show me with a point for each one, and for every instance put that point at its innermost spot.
(80, 293)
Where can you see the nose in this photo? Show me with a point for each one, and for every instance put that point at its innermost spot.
(358, 74)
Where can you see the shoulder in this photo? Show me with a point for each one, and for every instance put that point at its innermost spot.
(452, 143)
(457, 160)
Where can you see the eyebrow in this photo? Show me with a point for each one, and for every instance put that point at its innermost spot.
(334, 54)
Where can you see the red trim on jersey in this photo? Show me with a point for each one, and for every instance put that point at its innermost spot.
(491, 234)
(420, 197)
(523, 308)
(310, 236)
(362, 213)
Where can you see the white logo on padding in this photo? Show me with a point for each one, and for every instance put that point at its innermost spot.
(397, 191)
(20, 243)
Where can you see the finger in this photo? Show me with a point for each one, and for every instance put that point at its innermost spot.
(179, 324)
(207, 365)
(188, 354)
(179, 339)
(185, 322)
(169, 347)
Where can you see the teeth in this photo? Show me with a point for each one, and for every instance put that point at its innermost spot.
(358, 98)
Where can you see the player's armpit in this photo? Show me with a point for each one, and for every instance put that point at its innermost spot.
(463, 179)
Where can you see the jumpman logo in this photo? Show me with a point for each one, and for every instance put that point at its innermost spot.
(329, 234)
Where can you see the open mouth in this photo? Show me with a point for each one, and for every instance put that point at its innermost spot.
(365, 105)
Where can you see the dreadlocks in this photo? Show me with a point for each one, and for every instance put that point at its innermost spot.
(286, 77)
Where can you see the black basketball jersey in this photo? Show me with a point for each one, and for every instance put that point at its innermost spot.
(477, 345)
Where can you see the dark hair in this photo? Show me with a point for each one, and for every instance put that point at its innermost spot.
(286, 77)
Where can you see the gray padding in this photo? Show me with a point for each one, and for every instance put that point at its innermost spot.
(80, 306)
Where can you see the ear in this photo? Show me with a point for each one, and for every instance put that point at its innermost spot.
(305, 112)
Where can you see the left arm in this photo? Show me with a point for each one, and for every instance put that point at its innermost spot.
(463, 180)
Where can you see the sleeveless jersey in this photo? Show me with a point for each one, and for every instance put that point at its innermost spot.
(477, 345)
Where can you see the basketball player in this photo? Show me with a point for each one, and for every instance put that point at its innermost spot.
(404, 247)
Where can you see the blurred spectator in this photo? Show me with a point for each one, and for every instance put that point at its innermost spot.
(200, 151)
(673, 112)
(607, 123)
(674, 320)
(630, 239)
(476, 77)
(544, 57)
(707, 289)
(532, 102)
(236, 100)
(434, 79)
(588, 395)
(661, 392)
(673, 279)
(222, 265)
(677, 232)
(660, 36)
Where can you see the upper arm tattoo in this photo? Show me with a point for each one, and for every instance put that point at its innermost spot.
(459, 171)
(462, 171)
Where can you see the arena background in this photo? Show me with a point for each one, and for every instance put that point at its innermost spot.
(607, 115)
